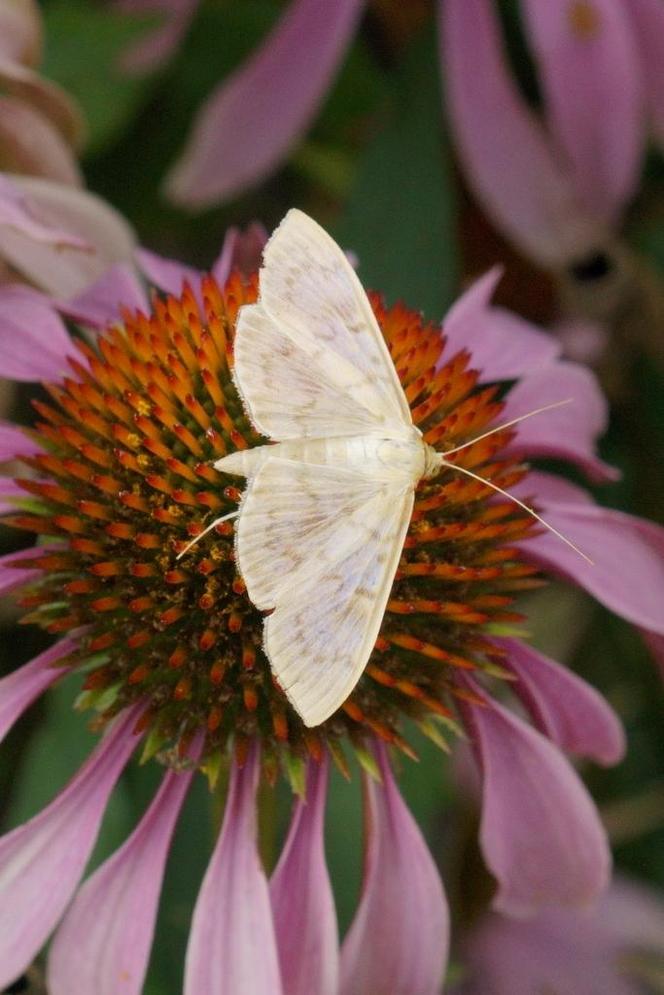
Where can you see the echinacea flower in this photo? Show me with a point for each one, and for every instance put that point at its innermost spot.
(609, 950)
(117, 479)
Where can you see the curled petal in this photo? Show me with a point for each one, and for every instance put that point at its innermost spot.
(34, 343)
(647, 21)
(30, 144)
(397, 943)
(103, 944)
(569, 432)
(540, 833)
(100, 304)
(564, 707)
(627, 553)
(42, 861)
(44, 96)
(17, 213)
(19, 689)
(232, 946)
(238, 139)
(505, 153)
(588, 64)
(302, 902)
(503, 346)
(20, 31)
(96, 236)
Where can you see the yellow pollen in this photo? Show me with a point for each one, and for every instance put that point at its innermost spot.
(584, 19)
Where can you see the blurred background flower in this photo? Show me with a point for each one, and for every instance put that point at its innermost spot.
(201, 117)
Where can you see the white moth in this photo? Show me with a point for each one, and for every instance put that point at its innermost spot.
(324, 517)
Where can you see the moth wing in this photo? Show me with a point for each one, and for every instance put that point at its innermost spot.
(308, 287)
(293, 389)
(320, 546)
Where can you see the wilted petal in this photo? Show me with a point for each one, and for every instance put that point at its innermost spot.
(647, 21)
(30, 144)
(504, 151)
(232, 946)
(569, 432)
(19, 689)
(565, 707)
(588, 65)
(540, 832)
(100, 237)
(52, 102)
(103, 944)
(34, 343)
(503, 346)
(20, 31)
(42, 861)
(237, 138)
(397, 943)
(627, 572)
(302, 902)
(100, 304)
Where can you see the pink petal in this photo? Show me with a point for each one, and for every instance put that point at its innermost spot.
(502, 345)
(31, 144)
(540, 832)
(103, 944)
(302, 902)
(154, 49)
(99, 305)
(397, 943)
(546, 488)
(11, 576)
(42, 861)
(18, 213)
(504, 151)
(582, 341)
(232, 946)
(588, 64)
(15, 442)
(249, 123)
(34, 342)
(167, 274)
(569, 432)
(564, 706)
(647, 17)
(627, 572)
(19, 689)
(241, 250)
(101, 237)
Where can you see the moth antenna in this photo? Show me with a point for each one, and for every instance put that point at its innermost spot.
(521, 504)
(508, 424)
(224, 518)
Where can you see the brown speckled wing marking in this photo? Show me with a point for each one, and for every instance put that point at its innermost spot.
(310, 290)
(293, 389)
(320, 546)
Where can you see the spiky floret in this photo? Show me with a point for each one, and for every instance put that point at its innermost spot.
(126, 480)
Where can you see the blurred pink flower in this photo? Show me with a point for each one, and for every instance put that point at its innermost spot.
(556, 183)
(596, 952)
(540, 833)
(40, 125)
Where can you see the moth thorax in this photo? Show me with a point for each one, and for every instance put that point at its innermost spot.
(433, 462)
